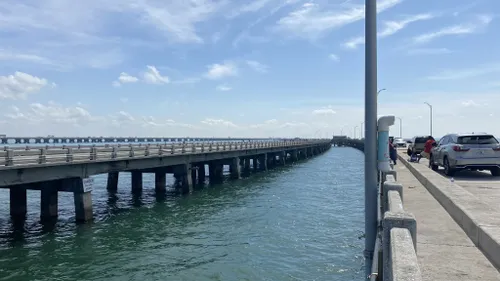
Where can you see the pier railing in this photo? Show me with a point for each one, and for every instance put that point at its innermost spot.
(398, 234)
(29, 155)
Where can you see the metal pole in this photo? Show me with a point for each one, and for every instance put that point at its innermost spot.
(371, 179)
(430, 107)
(400, 127)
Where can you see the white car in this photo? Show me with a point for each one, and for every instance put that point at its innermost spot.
(476, 151)
(399, 142)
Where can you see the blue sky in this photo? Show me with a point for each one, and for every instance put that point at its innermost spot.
(243, 68)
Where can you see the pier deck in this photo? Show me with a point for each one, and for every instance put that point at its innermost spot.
(444, 250)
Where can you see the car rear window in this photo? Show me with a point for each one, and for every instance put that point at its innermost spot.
(484, 139)
(420, 140)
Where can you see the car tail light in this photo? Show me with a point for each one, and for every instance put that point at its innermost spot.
(496, 148)
(460, 148)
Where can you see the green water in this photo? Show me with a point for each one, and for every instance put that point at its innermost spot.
(301, 222)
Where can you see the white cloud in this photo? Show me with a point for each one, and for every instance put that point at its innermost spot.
(333, 57)
(177, 18)
(6, 55)
(153, 76)
(218, 71)
(64, 36)
(429, 51)
(223, 88)
(257, 66)
(38, 113)
(312, 20)
(478, 25)
(251, 7)
(390, 28)
(456, 74)
(324, 111)
(126, 78)
(20, 84)
(354, 42)
(218, 122)
(453, 112)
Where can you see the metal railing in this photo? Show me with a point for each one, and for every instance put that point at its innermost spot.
(19, 156)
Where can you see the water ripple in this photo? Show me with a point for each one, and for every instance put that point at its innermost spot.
(299, 222)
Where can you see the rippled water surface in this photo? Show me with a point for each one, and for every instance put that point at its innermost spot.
(300, 222)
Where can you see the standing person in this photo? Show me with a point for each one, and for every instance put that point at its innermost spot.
(393, 153)
(428, 147)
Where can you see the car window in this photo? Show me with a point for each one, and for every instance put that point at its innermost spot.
(442, 141)
(481, 139)
(420, 140)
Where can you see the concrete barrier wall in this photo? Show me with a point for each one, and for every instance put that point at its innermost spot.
(399, 237)
(477, 220)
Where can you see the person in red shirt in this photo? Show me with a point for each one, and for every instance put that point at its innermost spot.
(427, 147)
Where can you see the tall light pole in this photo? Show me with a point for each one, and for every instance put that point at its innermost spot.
(371, 171)
(384, 89)
(430, 108)
(400, 127)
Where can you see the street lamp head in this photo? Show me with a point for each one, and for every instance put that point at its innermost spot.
(428, 104)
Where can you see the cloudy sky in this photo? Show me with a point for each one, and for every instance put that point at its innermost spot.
(244, 68)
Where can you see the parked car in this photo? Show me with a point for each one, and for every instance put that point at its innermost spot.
(399, 142)
(475, 152)
(417, 145)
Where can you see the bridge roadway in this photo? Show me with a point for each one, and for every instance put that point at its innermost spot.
(455, 222)
(52, 169)
(458, 223)
(111, 139)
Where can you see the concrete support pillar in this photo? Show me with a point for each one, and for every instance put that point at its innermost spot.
(201, 173)
(271, 159)
(83, 206)
(112, 184)
(194, 173)
(48, 202)
(263, 162)
(18, 202)
(160, 182)
(282, 159)
(255, 163)
(136, 177)
(305, 153)
(183, 178)
(215, 171)
(247, 165)
(235, 168)
(293, 155)
(242, 162)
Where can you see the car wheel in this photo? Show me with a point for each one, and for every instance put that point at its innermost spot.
(408, 151)
(447, 169)
(495, 172)
(433, 165)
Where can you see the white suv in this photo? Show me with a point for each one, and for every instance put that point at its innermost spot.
(475, 152)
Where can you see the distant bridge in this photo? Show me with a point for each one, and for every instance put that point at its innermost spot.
(110, 139)
(348, 142)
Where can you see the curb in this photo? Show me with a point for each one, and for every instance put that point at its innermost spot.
(480, 228)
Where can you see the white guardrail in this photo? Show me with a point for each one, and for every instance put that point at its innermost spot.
(399, 235)
(29, 155)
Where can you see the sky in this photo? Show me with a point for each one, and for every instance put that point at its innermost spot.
(262, 68)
